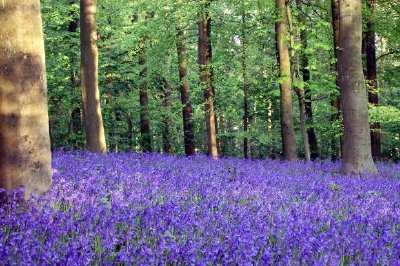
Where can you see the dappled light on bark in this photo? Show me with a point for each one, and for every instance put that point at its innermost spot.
(25, 158)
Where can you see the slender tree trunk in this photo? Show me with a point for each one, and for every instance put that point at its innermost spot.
(357, 158)
(209, 52)
(145, 131)
(312, 138)
(287, 127)
(245, 88)
(204, 61)
(223, 140)
(187, 110)
(372, 78)
(76, 113)
(270, 127)
(299, 91)
(25, 156)
(144, 105)
(302, 111)
(129, 131)
(167, 104)
(335, 101)
(95, 137)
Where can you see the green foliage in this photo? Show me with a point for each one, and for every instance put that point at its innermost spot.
(122, 27)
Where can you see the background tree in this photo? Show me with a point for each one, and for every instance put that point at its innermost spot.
(287, 128)
(119, 70)
(371, 76)
(24, 126)
(204, 59)
(187, 110)
(89, 78)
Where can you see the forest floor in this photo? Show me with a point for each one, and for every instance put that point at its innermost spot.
(152, 209)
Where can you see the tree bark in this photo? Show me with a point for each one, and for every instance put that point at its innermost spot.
(204, 61)
(167, 104)
(286, 113)
(25, 156)
(187, 110)
(76, 113)
(337, 148)
(94, 128)
(372, 78)
(145, 131)
(270, 127)
(357, 157)
(312, 137)
(245, 87)
(299, 91)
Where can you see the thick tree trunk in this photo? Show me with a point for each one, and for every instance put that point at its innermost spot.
(187, 110)
(94, 128)
(357, 158)
(371, 78)
(204, 61)
(287, 127)
(25, 156)
(337, 148)
(167, 104)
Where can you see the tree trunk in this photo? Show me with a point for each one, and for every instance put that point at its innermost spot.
(167, 104)
(299, 91)
(76, 113)
(129, 131)
(95, 137)
(335, 101)
(357, 157)
(25, 156)
(303, 125)
(270, 127)
(371, 78)
(245, 88)
(145, 132)
(204, 61)
(187, 110)
(209, 49)
(312, 138)
(287, 127)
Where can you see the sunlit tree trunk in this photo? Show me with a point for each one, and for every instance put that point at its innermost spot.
(25, 157)
(287, 127)
(357, 158)
(187, 110)
(94, 128)
(204, 61)
(370, 50)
